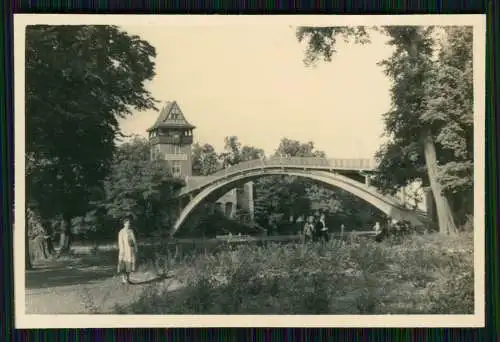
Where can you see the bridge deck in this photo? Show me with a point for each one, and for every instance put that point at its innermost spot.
(196, 182)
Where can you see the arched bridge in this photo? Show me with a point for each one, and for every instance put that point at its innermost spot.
(337, 173)
(194, 184)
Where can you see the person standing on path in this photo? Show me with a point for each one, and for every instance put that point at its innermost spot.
(127, 251)
(322, 228)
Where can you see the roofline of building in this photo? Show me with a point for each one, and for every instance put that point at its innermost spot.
(166, 125)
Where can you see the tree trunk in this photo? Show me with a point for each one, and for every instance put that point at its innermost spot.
(445, 217)
(65, 238)
(431, 207)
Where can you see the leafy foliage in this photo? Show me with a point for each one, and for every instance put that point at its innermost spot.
(205, 160)
(321, 40)
(234, 152)
(449, 111)
(139, 186)
(231, 154)
(251, 153)
(294, 148)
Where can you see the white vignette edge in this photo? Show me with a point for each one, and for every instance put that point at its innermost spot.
(28, 321)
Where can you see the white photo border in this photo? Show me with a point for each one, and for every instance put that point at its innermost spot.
(26, 321)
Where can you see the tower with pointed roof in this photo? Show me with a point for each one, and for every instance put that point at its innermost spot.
(171, 138)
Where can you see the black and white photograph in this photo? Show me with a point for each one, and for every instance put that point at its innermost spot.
(195, 170)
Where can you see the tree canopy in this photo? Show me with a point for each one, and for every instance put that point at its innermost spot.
(205, 160)
(79, 81)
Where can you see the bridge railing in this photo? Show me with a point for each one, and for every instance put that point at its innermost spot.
(298, 162)
(332, 163)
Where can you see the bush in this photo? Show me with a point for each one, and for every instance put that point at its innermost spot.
(468, 225)
(417, 275)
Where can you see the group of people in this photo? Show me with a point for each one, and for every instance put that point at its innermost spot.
(315, 229)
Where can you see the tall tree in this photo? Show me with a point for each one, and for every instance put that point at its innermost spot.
(449, 112)
(251, 153)
(205, 160)
(410, 67)
(294, 148)
(413, 136)
(79, 81)
(235, 152)
(232, 151)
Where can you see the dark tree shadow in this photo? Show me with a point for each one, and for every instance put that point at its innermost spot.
(71, 270)
(56, 277)
(156, 279)
(82, 269)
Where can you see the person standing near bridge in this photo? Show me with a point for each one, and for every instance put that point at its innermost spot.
(127, 251)
(321, 228)
(309, 229)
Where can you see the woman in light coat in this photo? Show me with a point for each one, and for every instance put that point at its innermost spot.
(323, 229)
(127, 247)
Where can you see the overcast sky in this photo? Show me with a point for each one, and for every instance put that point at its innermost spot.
(250, 81)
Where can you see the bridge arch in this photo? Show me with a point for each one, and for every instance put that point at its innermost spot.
(388, 205)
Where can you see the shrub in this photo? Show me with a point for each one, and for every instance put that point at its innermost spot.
(468, 226)
(419, 274)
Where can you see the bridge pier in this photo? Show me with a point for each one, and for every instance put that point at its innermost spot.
(366, 177)
(251, 203)
(179, 207)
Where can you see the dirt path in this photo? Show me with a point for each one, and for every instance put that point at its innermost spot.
(76, 287)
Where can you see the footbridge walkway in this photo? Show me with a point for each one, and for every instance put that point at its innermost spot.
(338, 173)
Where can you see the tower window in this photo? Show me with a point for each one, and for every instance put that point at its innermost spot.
(176, 168)
(177, 149)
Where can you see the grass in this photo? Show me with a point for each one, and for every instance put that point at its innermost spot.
(420, 274)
